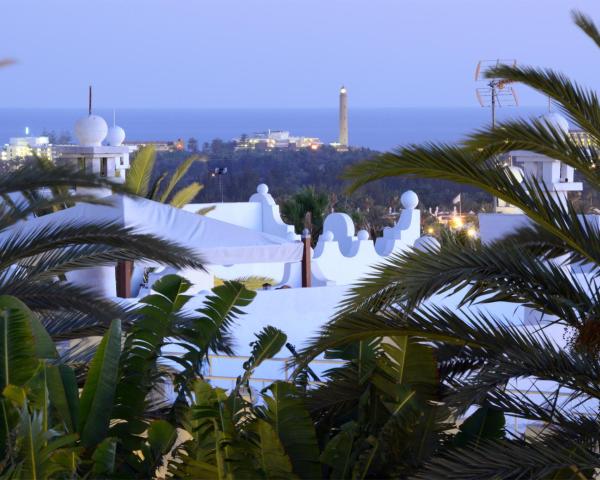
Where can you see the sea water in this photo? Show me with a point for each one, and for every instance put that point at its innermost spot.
(375, 128)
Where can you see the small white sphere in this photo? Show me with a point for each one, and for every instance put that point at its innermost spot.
(427, 243)
(362, 235)
(263, 189)
(91, 131)
(409, 200)
(556, 121)
(517, 172)
(115, 136)
(327, 236)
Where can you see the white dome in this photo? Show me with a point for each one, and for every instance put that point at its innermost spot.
(556, 121)
(91, 131)
(327, 236)
(409, 199)
(362, 235)
(427, 243)
(115, 136)
(263, 189)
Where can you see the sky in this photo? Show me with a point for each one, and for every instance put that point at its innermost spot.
(279, 53)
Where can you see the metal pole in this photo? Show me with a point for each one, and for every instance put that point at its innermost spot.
(493, 87)
(221, 186)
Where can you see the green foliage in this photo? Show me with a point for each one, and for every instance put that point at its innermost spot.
(550, 267)
(307, 200)
(486, 423)
(285, 411)
(140, 182)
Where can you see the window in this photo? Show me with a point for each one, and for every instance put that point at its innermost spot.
(81, 162)
(104, 167)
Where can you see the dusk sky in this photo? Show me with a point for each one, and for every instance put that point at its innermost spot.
(279, 53)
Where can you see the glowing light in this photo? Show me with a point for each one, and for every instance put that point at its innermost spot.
(471, 232)
(430, 230)
(457, 222)
(343, 90)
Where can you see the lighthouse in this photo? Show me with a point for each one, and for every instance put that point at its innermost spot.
(343, 117)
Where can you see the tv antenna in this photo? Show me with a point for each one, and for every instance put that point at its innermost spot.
(498, 92)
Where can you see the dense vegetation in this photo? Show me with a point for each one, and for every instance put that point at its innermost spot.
(550, 268)
(288, 171)
(137, 403)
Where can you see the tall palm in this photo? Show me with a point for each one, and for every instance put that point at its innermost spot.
(33, 261)
(538, 266)
(140, 180)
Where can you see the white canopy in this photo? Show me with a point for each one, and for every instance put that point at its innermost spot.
(217, 242)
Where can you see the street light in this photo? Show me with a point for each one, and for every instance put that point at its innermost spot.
(219, 172)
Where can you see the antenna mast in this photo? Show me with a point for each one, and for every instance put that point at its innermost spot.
(497, 92)
(90, 100)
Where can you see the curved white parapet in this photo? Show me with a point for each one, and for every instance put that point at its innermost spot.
(342, 228)
(271, 217)
(344, 258)
(406, 231)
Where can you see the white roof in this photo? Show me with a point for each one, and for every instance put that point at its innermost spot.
(216, 242)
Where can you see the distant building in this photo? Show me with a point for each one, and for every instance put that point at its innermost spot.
(159, 145)
(22, 147)
(276, 139)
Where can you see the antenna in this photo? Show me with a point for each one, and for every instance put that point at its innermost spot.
(90, 101)
(497, 92)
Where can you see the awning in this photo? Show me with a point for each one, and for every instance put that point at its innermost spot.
(217, 242)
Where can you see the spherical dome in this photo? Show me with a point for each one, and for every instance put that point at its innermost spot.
(556, 121)
(115, 136)
(409, 199)
(263, 189)
(427, 243)
(362, 235)
(91, 130)
(517, 172)
(327, 236)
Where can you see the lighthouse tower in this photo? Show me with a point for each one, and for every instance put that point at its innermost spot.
(343, 117)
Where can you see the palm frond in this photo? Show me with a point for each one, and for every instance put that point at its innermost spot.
(580, 104)
(536, 135)
(19, 245)
(186, 195)
(587, 25)
(28, 178)
(504, 460)
(140, 173)
(501, 271)
(177, 176)
(464, 166)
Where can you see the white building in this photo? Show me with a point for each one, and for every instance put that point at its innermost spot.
(244, 239)
(273, 139)
(18, 148)
(100, 150)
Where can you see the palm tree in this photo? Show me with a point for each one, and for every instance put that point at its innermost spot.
(307, 200)
(119, 425)
(538, 266)
(33, 262)
(140, 180)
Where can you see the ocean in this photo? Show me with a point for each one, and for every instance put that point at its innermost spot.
(375, 128)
